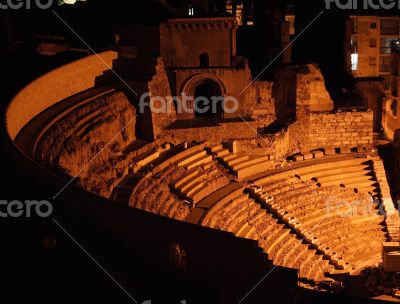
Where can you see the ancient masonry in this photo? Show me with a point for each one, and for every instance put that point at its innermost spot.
(275, 187)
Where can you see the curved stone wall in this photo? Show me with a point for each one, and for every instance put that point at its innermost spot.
(53, 87)
(212, 253)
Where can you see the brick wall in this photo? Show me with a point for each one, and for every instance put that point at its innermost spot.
(189, 38)
(341, 129)
(216, 134)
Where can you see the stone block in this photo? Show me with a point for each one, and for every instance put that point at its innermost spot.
(344, 150)
(298, 157)
(308, 156)
(318, 154)
(330, 151)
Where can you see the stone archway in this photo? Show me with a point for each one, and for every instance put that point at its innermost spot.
(207, 99)
(206, 94)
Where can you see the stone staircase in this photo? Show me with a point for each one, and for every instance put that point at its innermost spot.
(241, 165)
(392, 214)
(320, 237)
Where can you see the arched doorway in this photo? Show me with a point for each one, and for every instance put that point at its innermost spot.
(208, 99)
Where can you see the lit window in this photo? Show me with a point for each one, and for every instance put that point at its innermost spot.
(291, 20)
(61, 2)
(191, 11)
(387, 45)
(354, 62)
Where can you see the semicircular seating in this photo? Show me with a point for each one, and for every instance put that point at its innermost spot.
(334, 216)
(242, 216)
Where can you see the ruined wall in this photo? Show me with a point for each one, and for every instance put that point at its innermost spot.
(53, 87)
(80, 135)
(284, 93)
(311, 93)
(260, 104)
(248, 141)
(216, 134)
(317, 125)
(159, 86)
(277, 145)
(341, 129)
(331, 130)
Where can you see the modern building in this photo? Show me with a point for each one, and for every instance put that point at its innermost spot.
(390, 110)
(372, 40)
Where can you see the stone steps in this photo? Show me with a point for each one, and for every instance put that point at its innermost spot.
(296, 254)
(287, 248)
(191, 157)
(179, 184)
(275, 248)
(242, 218)
(351, 182)
(372, 261)
(235, 161)
(253, 169)
(328, 171)
(213, 202)
(311, 169)
(199, 176)
(205, 159)
(245, 231)
(342, 176)
(247, 162)
(242, 165)
(304, 227)
(208, 189)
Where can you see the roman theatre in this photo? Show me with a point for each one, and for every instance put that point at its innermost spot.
(288, 171)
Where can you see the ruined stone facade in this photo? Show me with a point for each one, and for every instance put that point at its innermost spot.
(342, 129)
(243, 173)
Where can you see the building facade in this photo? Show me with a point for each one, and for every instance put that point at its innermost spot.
(370, 59)
(372, 39)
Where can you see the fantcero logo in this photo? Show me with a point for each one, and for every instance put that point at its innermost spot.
(25, 4)
(363, 4)
(29, 208)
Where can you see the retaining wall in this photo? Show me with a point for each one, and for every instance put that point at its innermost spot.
(54, 87)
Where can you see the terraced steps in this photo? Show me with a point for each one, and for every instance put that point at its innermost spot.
(194, 159)
(303, 221)
(242, 166)
(243, 217)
